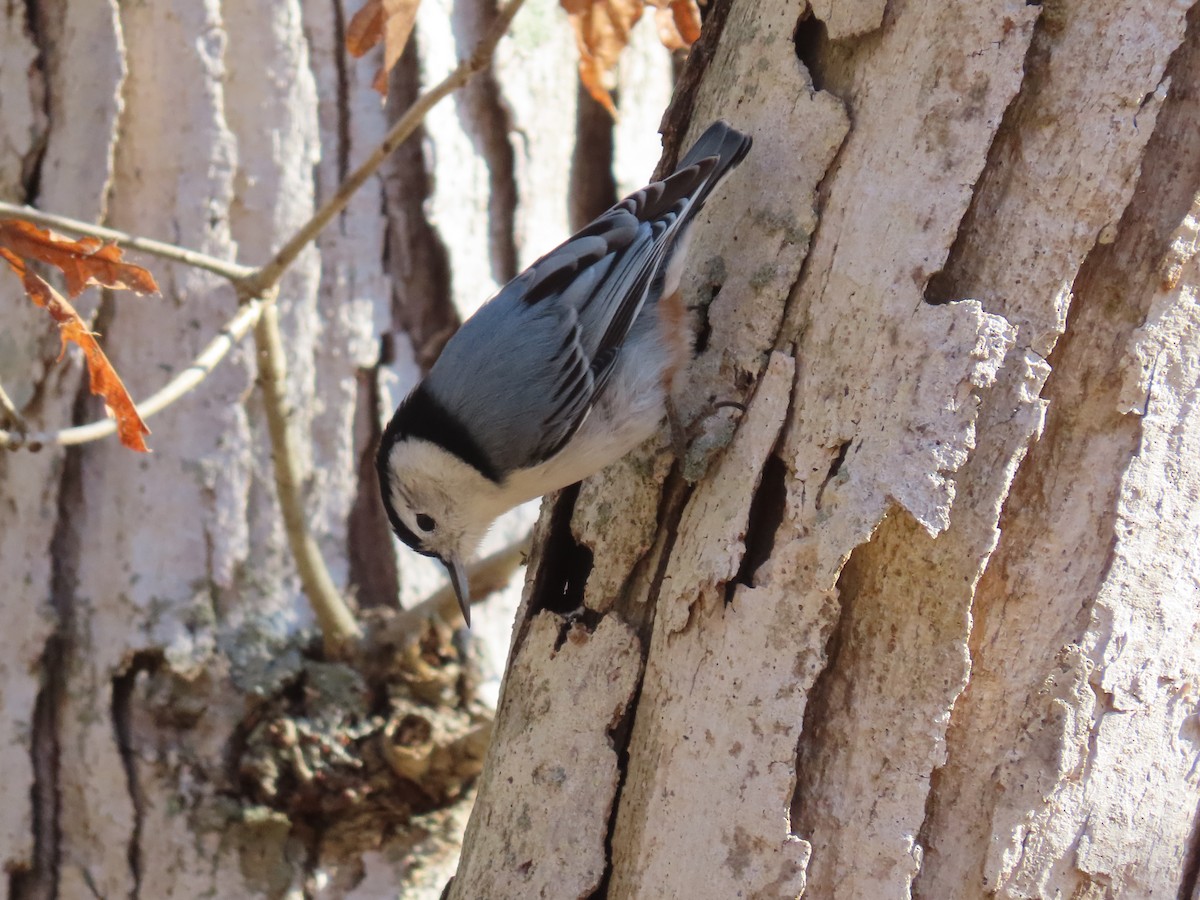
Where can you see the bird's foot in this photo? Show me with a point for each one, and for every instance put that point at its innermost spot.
(695, 444)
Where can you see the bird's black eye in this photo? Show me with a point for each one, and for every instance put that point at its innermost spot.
(425, 523)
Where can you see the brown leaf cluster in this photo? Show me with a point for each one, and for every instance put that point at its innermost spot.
(389, 21)
(602, 30)
(84, 262)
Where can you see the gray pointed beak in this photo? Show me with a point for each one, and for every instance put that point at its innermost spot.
(462, 589)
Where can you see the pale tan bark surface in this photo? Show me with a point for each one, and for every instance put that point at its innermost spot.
(921, 622)
(927, 624)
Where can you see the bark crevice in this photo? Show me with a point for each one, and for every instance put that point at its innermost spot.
(414, 255)
(944, 285)
(565, 563)
(488, 124)
(374, 576)
(343, 94)
(121, 710)
(638, 606)
(812, 43)
(817, 708)
(40, 881)
(591, 187)
(619, 734)
(31, 163)
(833, 64)
(767, 509)
(835, 467)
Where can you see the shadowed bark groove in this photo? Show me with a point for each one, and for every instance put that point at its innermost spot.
(41, 881)
(488, 125)
(949, 283)
(592, 188)
(809, 39)
(374, 578)
(619, 734)
(766, 515)
(124, 684)
(31, 165)
(416, 259)
(821, 700)
(340, 62)
(565, 565)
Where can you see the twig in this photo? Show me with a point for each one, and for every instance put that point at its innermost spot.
(235, 329)
(12, 415)
(486, 576)
(231, 270)
(338, 626)
(268, 275)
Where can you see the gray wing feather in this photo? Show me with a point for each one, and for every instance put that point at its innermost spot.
(524, 372)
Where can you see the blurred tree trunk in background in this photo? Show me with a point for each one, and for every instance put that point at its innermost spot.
(927, 623)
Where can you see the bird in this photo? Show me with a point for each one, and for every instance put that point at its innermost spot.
(566, 369)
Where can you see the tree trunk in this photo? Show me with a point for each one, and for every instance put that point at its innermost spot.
(922, 621)
(926, 623)
(157, 650)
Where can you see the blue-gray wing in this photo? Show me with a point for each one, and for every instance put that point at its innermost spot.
(522, 374)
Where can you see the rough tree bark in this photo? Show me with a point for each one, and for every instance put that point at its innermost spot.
(154, 627)
(921, 622)
(926, 625)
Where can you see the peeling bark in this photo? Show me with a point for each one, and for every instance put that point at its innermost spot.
(920, 622)
(926, 670)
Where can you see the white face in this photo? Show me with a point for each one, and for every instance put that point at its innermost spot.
(438, 500)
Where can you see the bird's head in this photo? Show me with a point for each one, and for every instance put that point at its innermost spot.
(437, 503)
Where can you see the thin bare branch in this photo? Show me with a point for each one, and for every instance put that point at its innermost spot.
(251, 282)
(269, 274)
(231, 270)
(12, 415)
(338, 626)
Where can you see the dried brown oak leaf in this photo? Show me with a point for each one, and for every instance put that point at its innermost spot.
(84, 262)
(602, 30)
(678, 23)
(390, 21)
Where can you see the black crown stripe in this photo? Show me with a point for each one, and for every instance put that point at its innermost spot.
(422, 416)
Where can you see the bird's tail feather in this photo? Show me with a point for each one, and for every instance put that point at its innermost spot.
(724, 142)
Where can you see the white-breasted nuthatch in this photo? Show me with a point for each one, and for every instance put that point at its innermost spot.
(565, 370)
